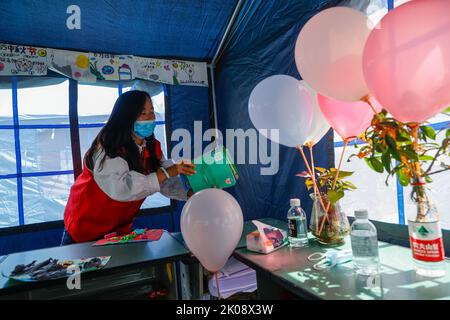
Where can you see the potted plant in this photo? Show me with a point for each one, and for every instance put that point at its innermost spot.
(329, 224)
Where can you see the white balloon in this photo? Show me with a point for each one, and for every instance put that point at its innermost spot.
(319, 125)
(211, 225)
(280, 102)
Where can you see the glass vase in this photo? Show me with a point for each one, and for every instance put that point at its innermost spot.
(330, 228)
(425, 234)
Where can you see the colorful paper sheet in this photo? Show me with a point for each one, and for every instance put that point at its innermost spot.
(72, 64)
(16, 60)
(107, 66)
(138, 235)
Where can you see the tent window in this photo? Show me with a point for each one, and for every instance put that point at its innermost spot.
(391, 203)
(35, 133)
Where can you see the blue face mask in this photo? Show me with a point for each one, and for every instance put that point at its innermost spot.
(144, 129)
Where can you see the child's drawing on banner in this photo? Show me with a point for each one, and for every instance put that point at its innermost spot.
(72, 64)
(157, 70)
(111, 67)
(189, 73)
(22, 60)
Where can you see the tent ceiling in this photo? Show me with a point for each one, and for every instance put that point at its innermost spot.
(188, 29)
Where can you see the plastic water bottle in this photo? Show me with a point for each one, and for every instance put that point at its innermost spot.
(363, 236)
(298, 229)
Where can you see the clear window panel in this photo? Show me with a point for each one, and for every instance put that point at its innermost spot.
(95, 103)
(371, 193)
(9, 215)
(44, 198)
(7, 152)
(45, 150)
(440, 117)
(44, 104)
(6, 112)
(87, 136)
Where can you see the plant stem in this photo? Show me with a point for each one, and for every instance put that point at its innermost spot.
(417, 172)
(346, 141)
(316, 188)
(316, 192)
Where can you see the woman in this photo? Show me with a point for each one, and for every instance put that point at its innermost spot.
(123, 166)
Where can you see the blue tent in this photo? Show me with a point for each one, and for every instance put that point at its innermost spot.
(243, 42)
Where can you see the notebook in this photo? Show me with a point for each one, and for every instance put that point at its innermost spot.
(215, 169)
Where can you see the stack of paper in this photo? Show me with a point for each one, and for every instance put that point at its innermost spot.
(234, 277)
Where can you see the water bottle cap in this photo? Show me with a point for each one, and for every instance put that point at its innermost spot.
(295, 202)
(361, 214)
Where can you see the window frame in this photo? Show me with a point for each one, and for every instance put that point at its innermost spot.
(74, 127)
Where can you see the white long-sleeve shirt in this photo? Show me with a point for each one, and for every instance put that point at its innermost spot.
(115, 178)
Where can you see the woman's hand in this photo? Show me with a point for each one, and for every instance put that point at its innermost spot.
(181, 168)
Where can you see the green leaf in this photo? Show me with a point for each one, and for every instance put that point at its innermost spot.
(391, 142)
(375, 164)
(386, 160)
(428, 179)
(447, 133)
(334, 196)
(446, 110)
(410, 153)
(344, 174)
(403, 136)
(320, 169)
(350, 185)
(429, 132)
(426, 158)
(402, 178)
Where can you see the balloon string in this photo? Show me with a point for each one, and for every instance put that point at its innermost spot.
(346, 141)
(316, 192)
(316, 188)
(217, 285)
(366, 99)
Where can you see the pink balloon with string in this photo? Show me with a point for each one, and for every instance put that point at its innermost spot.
(406, 60)
(348, 119)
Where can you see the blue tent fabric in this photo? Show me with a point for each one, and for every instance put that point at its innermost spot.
(158, 28)
(262, 44)
(189, 104)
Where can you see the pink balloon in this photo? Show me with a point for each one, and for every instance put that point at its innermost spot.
(406, 60)
(211, 224)
(348, 119)
(328, 53)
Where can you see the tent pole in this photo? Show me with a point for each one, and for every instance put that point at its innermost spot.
(213, 92)
(227, 31)
(212, 65)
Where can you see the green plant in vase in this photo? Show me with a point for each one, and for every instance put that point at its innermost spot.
(404, 149)
(329, 224)
(410, 151)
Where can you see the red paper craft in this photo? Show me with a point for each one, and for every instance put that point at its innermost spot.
(138, 235)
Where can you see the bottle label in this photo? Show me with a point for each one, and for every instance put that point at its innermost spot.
(292, 224)
(426, 241)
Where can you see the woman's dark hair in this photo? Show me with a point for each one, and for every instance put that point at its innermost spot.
(116, 136)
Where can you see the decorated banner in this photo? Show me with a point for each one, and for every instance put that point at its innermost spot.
(189, 73)
(72, 64)
(174, 72)
(105, 66)
(90, 67)
(22, 60)
(157, 70)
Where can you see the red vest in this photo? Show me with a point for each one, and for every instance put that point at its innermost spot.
(90, 213)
